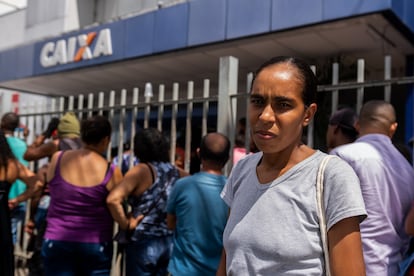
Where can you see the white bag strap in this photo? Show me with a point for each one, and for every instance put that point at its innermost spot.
(321, 212)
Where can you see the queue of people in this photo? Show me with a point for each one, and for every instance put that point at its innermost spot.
(261, 220)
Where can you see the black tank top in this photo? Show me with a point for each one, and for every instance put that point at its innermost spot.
(6, 243)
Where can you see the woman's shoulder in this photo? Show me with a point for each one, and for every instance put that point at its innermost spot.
(333, 160)
(12, 170)
(336, 166)
(245, 167)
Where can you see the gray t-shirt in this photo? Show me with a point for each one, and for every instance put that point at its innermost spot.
(273, 229)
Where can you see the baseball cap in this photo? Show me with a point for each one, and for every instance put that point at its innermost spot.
(344, 118)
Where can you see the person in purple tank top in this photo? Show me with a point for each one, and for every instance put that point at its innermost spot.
(78, 237)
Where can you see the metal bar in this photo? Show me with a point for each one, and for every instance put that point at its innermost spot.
(360, 79)
(147, 111)
(61, 104)
(174, 112)
(188, 130)
(101, 98)
(121, 128)
(80, 106)
(71, 103)
(135, 96)
(206, 103)
(387, 76)
(90, 104)
(335, 79)
(53, 105)
(247, 133)
(161, 92)
(110, 117)
(226, 117)
(227, 87)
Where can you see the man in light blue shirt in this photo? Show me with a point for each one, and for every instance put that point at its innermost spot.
(387, 185)
(198, 214)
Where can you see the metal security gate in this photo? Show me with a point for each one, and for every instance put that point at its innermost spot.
(177, 115)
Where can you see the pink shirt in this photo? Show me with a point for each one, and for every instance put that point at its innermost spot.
(238, 153)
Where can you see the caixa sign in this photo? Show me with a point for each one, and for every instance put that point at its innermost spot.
(77, 48)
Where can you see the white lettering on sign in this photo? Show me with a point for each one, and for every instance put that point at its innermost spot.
(76, 48)
(103, 46)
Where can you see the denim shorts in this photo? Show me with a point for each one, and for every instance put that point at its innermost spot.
(17, 216)
(148, 256)
(76, 258)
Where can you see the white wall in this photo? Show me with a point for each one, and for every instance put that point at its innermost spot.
(47, 18)
(12, 28)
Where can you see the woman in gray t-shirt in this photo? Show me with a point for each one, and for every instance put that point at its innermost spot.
(273, 226)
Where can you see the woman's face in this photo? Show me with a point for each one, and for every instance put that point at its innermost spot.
(276, 111)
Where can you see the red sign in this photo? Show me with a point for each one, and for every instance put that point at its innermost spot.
(15, 102)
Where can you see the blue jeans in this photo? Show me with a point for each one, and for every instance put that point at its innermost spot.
(63, 258)
(17, 216)
(41, 212)
(148, 256)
